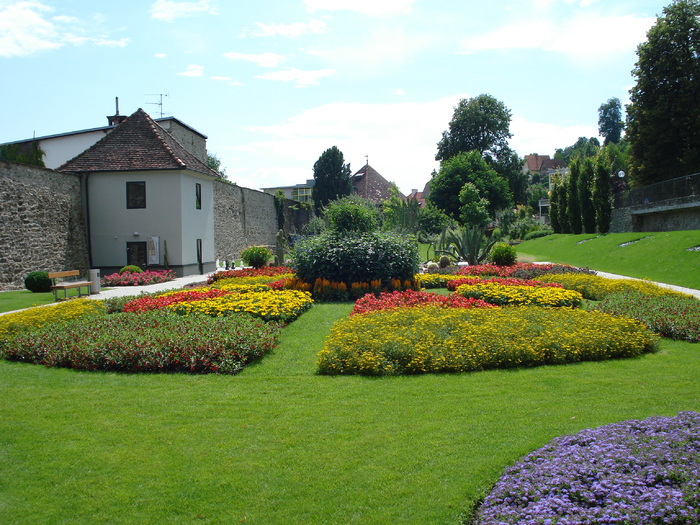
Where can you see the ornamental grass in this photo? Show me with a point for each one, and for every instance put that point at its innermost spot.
(596, 288)
(435, 339)
(33, 318)
(633, 473)
(273, 305)
(670, 316)
(147, 342)
(509, 295)
(412, 298)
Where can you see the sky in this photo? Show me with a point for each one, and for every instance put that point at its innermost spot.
(274, 83)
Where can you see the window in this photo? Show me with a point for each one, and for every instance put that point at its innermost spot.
(135, 195)
(198, 195)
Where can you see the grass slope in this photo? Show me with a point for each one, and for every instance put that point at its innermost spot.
(280, 444)
(658, 256)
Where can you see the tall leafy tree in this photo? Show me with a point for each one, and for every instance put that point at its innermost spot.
(471, 167)
(610, 124)
(478, 124)
(663, 117)
(585, 194)
(573, 202)
(331, 178)
(583, 147)
(602, 194)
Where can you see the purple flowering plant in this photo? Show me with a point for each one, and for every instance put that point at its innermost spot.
(633, 472)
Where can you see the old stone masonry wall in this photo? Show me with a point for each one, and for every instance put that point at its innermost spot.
(41, 223)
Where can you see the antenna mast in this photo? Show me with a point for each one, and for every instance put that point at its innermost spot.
(159, 103)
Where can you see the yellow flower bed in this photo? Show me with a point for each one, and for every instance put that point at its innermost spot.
(502, 294)
(438, 280)
(50, 314)
(433, 339)
(271, 305)
(259, 279)
(596, 288)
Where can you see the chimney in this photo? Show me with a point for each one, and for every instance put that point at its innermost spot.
(116, 119)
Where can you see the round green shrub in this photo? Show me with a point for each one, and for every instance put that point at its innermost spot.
(356, 258)
(38, 282)
(352, 214)
(503, 254)
(256, 256)
(131, 268)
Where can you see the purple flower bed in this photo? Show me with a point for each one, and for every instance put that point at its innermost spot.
(138, 279)
(634, 472)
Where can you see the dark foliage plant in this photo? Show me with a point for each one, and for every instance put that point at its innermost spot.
(633, 472)
(147, 342)
(38, 282)
(356, 258)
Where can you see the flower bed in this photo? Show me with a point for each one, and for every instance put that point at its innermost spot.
(435, 339)
(410, 298)
(147, 303)
(507, 294)
(597, 288)
(673, 317)
(148, 342)
(268, 271)
(138, 279)
(453, 284)
(520, 270)
(634, 472)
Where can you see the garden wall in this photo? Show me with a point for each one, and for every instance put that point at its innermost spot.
(42, 223)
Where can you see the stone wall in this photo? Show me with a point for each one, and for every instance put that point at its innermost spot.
(655, 219)
(41, 223)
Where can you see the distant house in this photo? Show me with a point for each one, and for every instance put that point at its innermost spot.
(149, 200)
(541, 164)
(298, 192)
(368, 183)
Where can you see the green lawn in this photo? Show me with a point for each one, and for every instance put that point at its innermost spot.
(20, 299)
(280, 444)
(659, 256)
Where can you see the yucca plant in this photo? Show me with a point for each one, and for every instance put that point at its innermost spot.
(470, 244)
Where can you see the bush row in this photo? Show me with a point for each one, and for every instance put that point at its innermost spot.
(147, 342)
(435, 339)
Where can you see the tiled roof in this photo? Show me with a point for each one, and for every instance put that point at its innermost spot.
(368, 183)
(137, 144)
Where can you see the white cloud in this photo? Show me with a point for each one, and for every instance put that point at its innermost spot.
(315, 27)
(193, 70)
(366, 7)
(544, 137)
(27, 27)
(262, 59)
(585, 37)
(399, 138)
(301, 78)
(160, 55)
(169, 10)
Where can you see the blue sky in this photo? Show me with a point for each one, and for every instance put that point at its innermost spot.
(273, 83)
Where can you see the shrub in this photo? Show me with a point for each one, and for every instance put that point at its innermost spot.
(537, 234)
(38, 282)
(673, 317)
(502, 254)
(145, 343)
(130, 269)
(411, 298)
(256, 256)
(352, 214)
(432, 267)
(435, 339)
(634, 472)
(504, 294)
(596, 288)
(444, 261)
(356, 258)
(34, 318)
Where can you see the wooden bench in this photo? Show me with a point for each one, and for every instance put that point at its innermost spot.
(65, 280)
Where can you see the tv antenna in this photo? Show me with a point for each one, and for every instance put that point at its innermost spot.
(159, 103)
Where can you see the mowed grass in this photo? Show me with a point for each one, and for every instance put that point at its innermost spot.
(659, 256)
(20, 299)
(280, 444)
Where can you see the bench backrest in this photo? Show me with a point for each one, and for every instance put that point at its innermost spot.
(69, 273)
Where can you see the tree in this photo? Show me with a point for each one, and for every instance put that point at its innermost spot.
(478, 124)
(510, 166)
(214, 163)
(474, 210)
(610, 123)
(602, 194)
(331, 178)
(456, 172)
(583, 147)
(663, 116)
(573, 204)
(585, 194)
